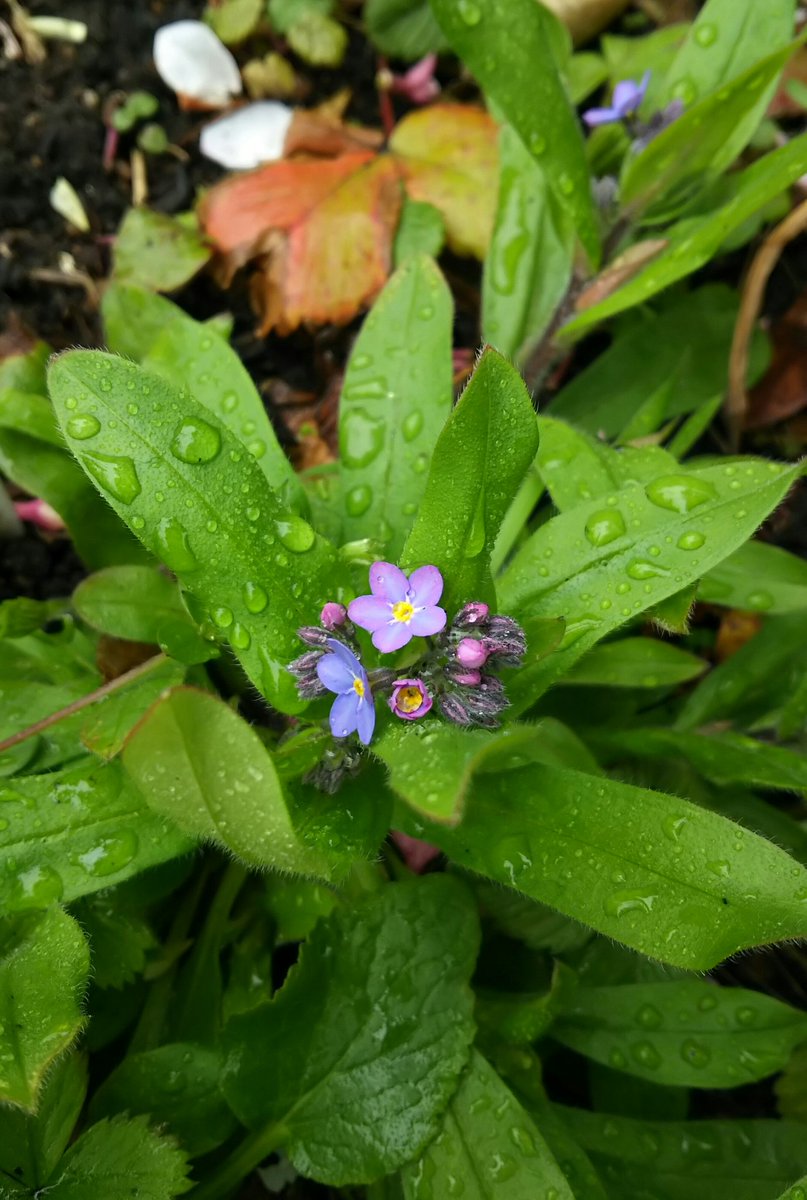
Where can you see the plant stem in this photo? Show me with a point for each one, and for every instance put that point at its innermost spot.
(243, 1160)
(69, 710)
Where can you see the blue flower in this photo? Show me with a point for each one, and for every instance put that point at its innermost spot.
(341, 672)
(628, 96)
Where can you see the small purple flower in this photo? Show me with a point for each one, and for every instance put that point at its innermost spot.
(471, 652)
(399, 608)
(628, 96)
(341, 672)
(409, 699)
(333, 615)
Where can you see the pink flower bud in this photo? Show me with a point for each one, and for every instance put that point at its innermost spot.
(416, 854)
(333, 615)
(467, 678)
(472, 653)
(475, 613)
(409, 699)
(37, 512)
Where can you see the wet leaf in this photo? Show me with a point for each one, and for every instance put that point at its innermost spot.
(157, 251)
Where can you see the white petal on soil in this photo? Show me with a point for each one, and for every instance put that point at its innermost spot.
(67, 203)
(249, 137)
(192, 61)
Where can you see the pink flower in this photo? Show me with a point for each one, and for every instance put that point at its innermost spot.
(400, 608)
(418, 83)
(409, 699)
(471, 652)
(39, 513)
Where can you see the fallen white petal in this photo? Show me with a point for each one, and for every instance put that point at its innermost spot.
(66, 201)
(249, 137)
(192, 61)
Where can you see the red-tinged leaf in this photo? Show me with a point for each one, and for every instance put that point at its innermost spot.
(782, 391)
(326, 229)
(448, 157)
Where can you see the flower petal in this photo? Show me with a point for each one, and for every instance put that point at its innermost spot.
(344, 714)
(370, 612)
(388, 582)
(335, 674)
(425, 586)
(392, 636)
(365, 720)
(345, 653)
(600, 116)
(427, 621)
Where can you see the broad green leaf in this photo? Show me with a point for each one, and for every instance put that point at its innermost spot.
(106, 725)
(25, 372)
(297, 905)
(202, 505)
(421, 230)
(479, 461)
(520, 1018)
(234, 20)
(690, 1160)
(22, 703)
(74, 832)
(758, 578)
(31, 1145)
(797, 1192)
(346, 833)
(177, 1087)
(118, 1159)
(139, 604)
(358, 1053)
(119, 940)
(636, 662)
(394, 405)
(607, 560)
(285, 13)
(317, 39)
(707, 138)
(403, 28)
(576, 842)
(522, 76)
(527, 921)
(49, 472)
(694, 241)
(791, 1086)
(135, 318)
(688, 1033)
(21, 616)
(489, 1148)
(751, 682)
(44, 971)
(529, 262)
(691, 339)
(721, 757)
(726, 38)
(431, 764)
(30, 414)
(156, 251)
(196, 762)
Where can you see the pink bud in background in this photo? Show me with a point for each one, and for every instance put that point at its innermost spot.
(38, 513)
(416, 854)
(333, 615)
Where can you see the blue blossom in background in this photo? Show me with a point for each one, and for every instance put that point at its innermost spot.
(626, 100)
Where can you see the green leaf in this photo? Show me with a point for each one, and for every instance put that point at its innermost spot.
(378, 999)
(522, 77)
(117, 1159)
(74, 832)
(431, 764)
(44, 970)
(520, 1018)
(157, 251)
(29, 413)
(394, 404)
(724, 40)
(707, 138)
(31, 1146)
(22, 616)
(119, 941)
(108, 723)
(636, 662)
(318, 40)
(177, 1087)
(478, 463)
(421, 230)
(733, 583)
(403, 28)
(751, 682)
(529, 262)
(525, 920)
(791, 1086)
(690, 1160)
(234, 20)
(139, 604)
(198, 763)
(489, 1148)
(189, 354)
(691, 339)
(573, 842)
(297, 905)
(723, 758)
(688, 1033)
(284, 13)
(606, 561)
(175, 482)
(693, 242)
(797, 1192)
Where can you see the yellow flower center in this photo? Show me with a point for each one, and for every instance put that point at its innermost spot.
(409, 699)
(358, 688)
(403, 611)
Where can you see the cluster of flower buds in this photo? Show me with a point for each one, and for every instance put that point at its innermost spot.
(479, 643)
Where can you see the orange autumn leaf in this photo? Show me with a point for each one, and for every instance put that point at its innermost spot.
(320, 230)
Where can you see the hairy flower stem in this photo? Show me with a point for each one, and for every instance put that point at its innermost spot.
(100, 693)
